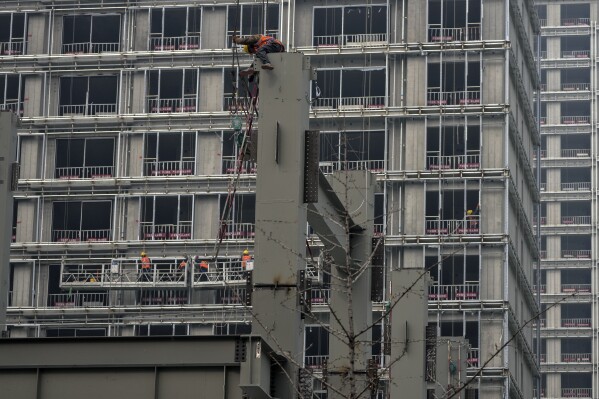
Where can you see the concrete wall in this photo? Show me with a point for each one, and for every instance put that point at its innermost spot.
(214, 27)
(37, 34)
(211, 90)
(27, 220)
(33, 98)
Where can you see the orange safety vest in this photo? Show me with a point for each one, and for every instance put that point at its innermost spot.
(265, 40)
(244, 259)
(145, 263)
(182, 265)
(203, 266)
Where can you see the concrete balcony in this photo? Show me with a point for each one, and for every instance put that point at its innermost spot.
(320, 296)
(183, 167)
(576, 253)
(239, 231)
(469, 96)
(84, 172)
(348, 103)
(77, 300)
(438, 34)
(88, 48)
(66, 236)
(578, 322)
(87, 109)
(171, 105)
(576, 357)
(453, 162)
(577, 392)
(582, 288)
(576, 120)
(360, 39)
(174, 43)
(232, 166)
(454, 292)
(436, 226)
(151, 231)
(17, 46)
(374, 165)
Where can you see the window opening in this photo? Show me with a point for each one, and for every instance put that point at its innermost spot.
(575, 79)
(242, 218)
(166, 218)
(453, 147)
(172, 90)
(350, 25)
(174, 29)
(13, 33)
(575, 280)
(93, 95)
(352, 151)
(316, 343)
(253, 19)
(230, 152)
(81, 221)
(575, 14)
(542, 14)
(576, 246)
(575, 46)
(349, 89)
(576, 350)
(454, 20)
(89, 158)
(169, 154)
(91, 33)
(452, 211)
(12, 88)
(453, 83)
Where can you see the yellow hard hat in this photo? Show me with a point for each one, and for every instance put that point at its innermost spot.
(246, 49)
(246, 252)
(143, 253)
(469, 212)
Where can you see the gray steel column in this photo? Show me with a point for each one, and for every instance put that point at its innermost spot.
(280, 239)
(8, 152)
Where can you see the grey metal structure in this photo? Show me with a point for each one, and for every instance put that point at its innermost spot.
(8, 182)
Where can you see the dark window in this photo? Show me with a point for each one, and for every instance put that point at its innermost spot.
(168, 154)
(84, 158)
(81, 221)
(454, 20)
(13, 33)
(93, 95)
(172, 90)
(350, 88)
(453, 147)
(254, 19)
(91, 33)
(12, 88)
(166, 218)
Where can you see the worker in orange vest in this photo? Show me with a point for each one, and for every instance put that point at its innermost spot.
(245, 258)
(146, 266)
(260, 45)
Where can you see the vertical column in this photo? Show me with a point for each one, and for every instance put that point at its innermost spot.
(8, 152)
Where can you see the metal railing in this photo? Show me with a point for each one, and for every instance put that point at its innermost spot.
(320, 296)
(189, 42)
(576, 357)
(315, 361)
(576, 21)
(576, 322)
(575, 120)
(153, 167)
(577, 186)
(575, 86)
(349, 102)
(543, 21)
(328, 167)
(234, 296)
(127, 273)
(365, 39)
(219, 272)
(14, 47)
(15, 106)
(576, 54)
(543, 288)
(576, 287)
(80, 235)
(452, 292)
(576, 220)
(230, 166)
(230, 103)
(169, 105)
(452, 226)
(443, 162)
(436, 33)
(543, 120)
(84, 172)
(240, 231)
(162, 297)
(87, 109)
(576, 253)
(83, 48)
(577, 392)
(542, 358)
(543, 254)
(473, 358)
(150, 231)
(575, 153)
(78, 300)
(465, 97)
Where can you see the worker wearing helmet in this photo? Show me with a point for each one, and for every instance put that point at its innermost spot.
(260, 45)
(146, 266)
(245, 257)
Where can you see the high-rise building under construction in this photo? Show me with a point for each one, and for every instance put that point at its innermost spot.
(127, 145)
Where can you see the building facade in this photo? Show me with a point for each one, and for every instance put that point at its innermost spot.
(126, 146)
(568, 207)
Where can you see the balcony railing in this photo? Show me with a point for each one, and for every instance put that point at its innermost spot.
(577, 392)
(230, 166)
(87, 109)
(150, 231)
(190, 42)
(576, 357)
(543, 358)
(153, 167)
(543, 288)
(576, 54)
(315, 362)
(15, 106)
(473, 357)
(543, 323)
(438, 34)
(78, 300)
(576, 287)
(576, 21)
(14, 47)
(575, 153)
(445, 162)
(576, 220)
(83, 48)
(466, 97)
(543, 254)
(575, 86)
(320, 296)
(576, 322)
(467, 291)
(460, 226)
(578, 186)
(576, 120)
(361, 39)
(349, 103)
(543, 120)
(219, 273)
(80, 235)
(328, 167)
(84, 172)
(169, 105)
(123, 274)
(232, 104)
(236, 296)
(240, 231)
(162, 297)
(576, 253)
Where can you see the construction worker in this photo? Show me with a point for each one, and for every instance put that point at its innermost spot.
(146, 266)
(183, 266)
(472, 220)
(260, 45)
(203, 265)
(245, 257)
